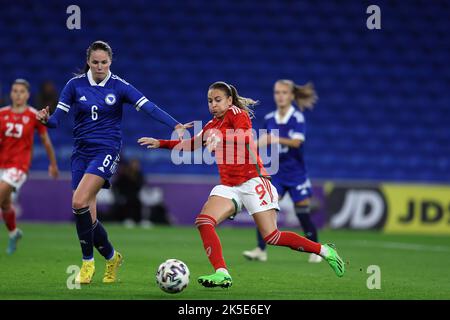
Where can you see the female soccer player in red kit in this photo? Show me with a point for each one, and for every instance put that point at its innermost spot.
(17, 125)
(244, 182)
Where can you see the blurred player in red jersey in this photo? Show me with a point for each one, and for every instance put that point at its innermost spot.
(244, 182)
(17, 125)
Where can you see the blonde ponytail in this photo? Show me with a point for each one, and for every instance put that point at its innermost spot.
(305, 96)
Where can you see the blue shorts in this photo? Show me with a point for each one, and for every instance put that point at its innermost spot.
(102, 163)
(299, 191)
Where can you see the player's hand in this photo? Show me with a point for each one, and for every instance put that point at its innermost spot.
(267, 139)
(211, 142)
(179, 128)
(151, 143)
(273, 139)
(53, 171)
(43, 115)
(264, 140)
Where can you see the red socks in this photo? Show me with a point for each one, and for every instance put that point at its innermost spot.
(293, 241)
(206, 225)
(10, 219)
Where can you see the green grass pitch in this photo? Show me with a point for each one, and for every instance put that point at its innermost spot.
(412, 267)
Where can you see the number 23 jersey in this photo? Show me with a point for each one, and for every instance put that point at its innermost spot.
(17, 137)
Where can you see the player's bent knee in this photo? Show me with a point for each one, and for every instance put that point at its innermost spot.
(78, 203)
(6, 207)
(4, 195)
(5, 203)
(80, 200)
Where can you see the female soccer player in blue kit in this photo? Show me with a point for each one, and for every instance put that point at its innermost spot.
(96, 97)
(291, 176)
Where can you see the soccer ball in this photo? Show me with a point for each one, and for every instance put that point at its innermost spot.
(172, 276)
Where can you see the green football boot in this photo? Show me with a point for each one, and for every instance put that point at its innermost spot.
(218, 279)
(333, 259)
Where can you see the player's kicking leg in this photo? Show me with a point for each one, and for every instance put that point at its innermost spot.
(266, 222)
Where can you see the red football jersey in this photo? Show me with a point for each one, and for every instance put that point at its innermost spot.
(17, 136)
(236, 153)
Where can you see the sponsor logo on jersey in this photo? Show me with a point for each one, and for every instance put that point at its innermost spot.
(110, 99)
(83, 98)
(101, 169)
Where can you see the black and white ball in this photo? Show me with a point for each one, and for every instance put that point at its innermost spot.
(172, 276)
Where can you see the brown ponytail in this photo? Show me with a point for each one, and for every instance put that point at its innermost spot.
(305, 96)
(243, 103)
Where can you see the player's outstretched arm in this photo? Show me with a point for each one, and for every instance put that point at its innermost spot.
(140, 102)
(186, 145)
(272, 139)
(160, 115)
(53, 167)
(292, 143)
(150, 143)
(180, 128)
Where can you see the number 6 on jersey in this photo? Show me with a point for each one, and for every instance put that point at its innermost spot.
(94, 114)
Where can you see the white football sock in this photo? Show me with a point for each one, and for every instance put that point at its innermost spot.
(323, 251)
(13, 233)
(223, 270)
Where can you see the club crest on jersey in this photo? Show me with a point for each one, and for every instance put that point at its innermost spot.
(110, 99)
(26, 119)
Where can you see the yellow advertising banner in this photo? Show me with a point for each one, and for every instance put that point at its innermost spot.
(417, 208)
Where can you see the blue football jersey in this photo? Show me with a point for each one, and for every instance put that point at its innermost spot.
(97, 109)
(292, 164)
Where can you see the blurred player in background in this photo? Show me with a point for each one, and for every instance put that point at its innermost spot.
(291, 176)
(244, 182)
(17, 126)
(96, 97)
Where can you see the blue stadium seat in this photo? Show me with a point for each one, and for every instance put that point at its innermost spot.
(383, 109)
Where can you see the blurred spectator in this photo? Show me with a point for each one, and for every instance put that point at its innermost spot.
(126, 188)
(133, 201)
(47, 96)
(154, 208)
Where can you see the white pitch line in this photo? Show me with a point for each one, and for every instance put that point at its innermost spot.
(397, 245)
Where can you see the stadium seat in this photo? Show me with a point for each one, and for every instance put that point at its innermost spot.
(383, 108)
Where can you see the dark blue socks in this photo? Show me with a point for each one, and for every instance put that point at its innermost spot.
(261, 243)
(303, 214)
(91, 235)
(101, 241)
(83, 222)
